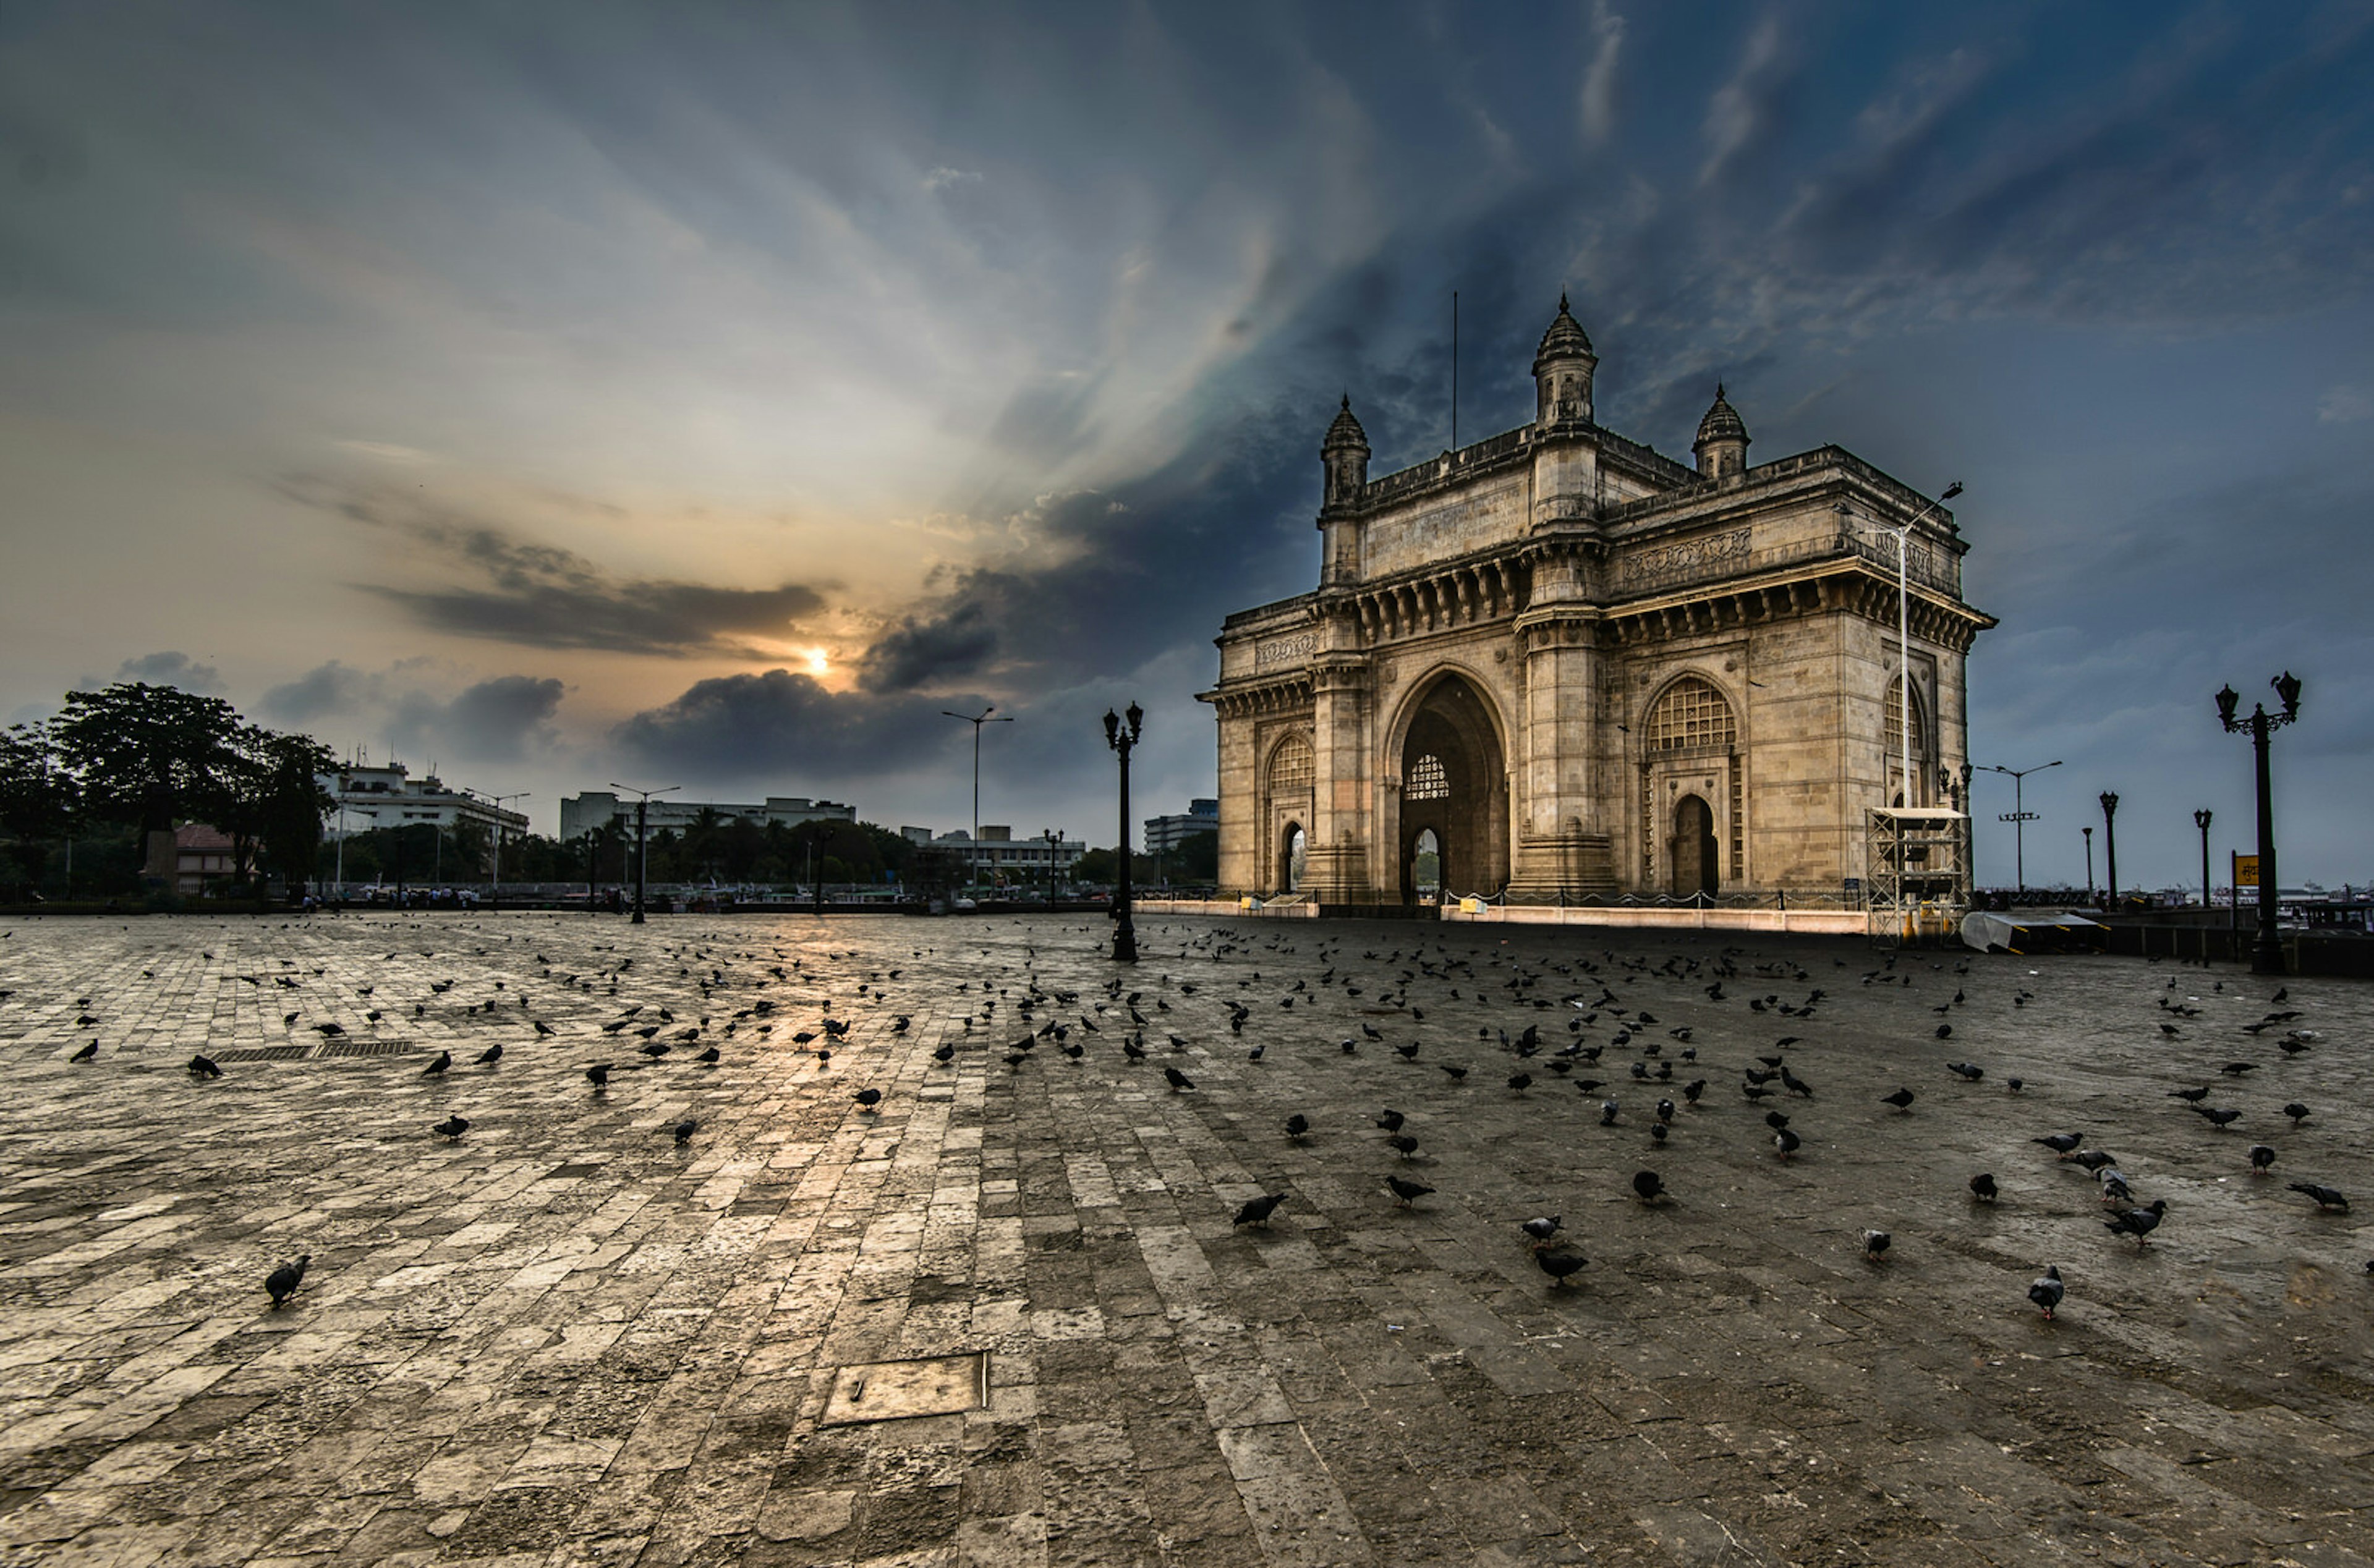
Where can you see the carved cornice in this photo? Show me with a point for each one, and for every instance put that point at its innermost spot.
(1253, 698)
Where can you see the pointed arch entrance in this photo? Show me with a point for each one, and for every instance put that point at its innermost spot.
(1692, 852)
(1455, 789)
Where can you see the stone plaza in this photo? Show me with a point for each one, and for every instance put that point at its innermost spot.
(567, 1335)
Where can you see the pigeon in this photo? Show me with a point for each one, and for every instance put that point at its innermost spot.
(491, 1055)
(1177, 1080)
(598, 1075)
(1391, 1120)
(1406, 1192)
(329, 1031)
(1970, 1072)
(2193, 1095)
(1297, 1125)
(452, 1127)
(1982, 1187)
(542, 1028)
(1257, 1052)
(1901, 1099)
(2014, 1084)
(1787, 1142)
(1608, 1110)
(2297, 1112)
(86, 1053)
(708, 1057)
(867, 1099)
(2137, 1223)
(2261, 1158)
(1403, 1142)
(1665, 1110)
(2235, 1069)
(1521, 1081)
(684, 1131)
(437, 1069)
(1648, 1186)
(2220, 1117)
(1257, 1211)
(1559, 1264)
(1458, 1074)
(2327, 1198)
(2062, 1143)
(1542, 1228)
(1944, 1031)
(2046, 1293)
(2093, 1160)
(283, 1281)
(203, 1066)
(1875, 1243)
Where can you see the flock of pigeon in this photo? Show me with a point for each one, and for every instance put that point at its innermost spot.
(1579, 1034)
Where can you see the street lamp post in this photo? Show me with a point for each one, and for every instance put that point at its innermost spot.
(2019, 816)
(1055, 838)
(2088, 831)
(972, 853)
(2267, 952)
(495, 873)
(2201, 821)
(1904, 630)
(1122, 738)
(2110, 850)
(642, 840)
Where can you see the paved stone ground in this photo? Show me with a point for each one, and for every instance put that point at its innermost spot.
(561, 1339)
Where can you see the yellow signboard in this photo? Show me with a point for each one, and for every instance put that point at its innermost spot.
(2246, 871)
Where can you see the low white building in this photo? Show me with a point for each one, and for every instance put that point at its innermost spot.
(603, 808)
(366, 798)
(1020, 862)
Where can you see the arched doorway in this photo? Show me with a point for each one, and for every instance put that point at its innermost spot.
(1455, 787)
(1291, 853)
(1426, 866)
(1692, 854)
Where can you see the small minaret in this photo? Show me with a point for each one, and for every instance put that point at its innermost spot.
(1562, 373)
(1344, 460)
(1722, 445)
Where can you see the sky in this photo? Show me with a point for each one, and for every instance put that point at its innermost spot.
(715, 396)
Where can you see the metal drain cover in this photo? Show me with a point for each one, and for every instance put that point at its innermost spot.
(891, 1390)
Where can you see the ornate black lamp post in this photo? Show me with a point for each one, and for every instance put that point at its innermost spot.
(2089, 863)
(2267, 952)
(1122, 738)
(2201, 821)
(2111, 849)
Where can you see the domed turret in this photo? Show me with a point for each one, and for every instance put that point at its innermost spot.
(1562, 369)
(1721, 446)
(1344, 457)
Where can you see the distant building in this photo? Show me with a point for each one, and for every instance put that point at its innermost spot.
(1163, 834)
(999, 855)
(601, 808)
(191, 857)
(365, 797)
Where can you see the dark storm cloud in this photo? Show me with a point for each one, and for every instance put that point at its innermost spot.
(325, 691)
(739, 726)
(541, 596)
(500, 720)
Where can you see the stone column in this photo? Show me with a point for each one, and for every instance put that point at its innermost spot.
(1560, 839)
(1344, 788)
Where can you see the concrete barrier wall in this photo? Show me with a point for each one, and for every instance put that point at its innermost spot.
(1810, 922)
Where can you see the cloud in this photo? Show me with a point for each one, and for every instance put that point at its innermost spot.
(2344, 406)
(170, 669)
(740, 727)
(955, 643)
(1742, 107)
(942, 178)
(500, 720)
(1597, 102)
(325, 691)
(542, 596)
(503, 718)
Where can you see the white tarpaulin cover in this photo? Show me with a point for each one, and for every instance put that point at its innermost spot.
(2030, 930)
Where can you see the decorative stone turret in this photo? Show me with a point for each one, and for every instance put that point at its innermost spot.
(1344, 456)
(1562, 369)
(1344, 460)
(1722, 438)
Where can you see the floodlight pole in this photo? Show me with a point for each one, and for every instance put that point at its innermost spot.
(495, 871)
(972, 859)
(2019, 816)
(642, 841)
(1903, 533)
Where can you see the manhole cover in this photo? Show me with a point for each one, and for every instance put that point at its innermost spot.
(266, 1053)
(368, 1048)
(890, 1390)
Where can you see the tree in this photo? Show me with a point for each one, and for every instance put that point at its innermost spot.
(144, 754)
(269, 796)
(1199, 857)
(37, 796)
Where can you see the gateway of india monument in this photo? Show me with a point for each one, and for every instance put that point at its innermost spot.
(1575, 669)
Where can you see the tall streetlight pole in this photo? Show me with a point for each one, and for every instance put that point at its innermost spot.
(2201, 821)
(972, 859)
(642, 840)
(495, 873)
(1054, 836)
(2111, 849)
(1122, 738)
(2019, 816)
(2088, 831)
(1903, 533)
(2267, 952)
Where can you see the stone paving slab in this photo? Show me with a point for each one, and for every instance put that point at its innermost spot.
(565, 1336)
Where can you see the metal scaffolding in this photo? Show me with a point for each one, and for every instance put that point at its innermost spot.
(1916, 873)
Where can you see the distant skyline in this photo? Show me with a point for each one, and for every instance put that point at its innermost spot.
(560, 394)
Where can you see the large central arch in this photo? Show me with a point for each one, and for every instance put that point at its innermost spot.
(1454, 781)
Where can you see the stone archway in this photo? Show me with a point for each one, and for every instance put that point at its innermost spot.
(1692, 850)
(1455, 785)
(1293, 848)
